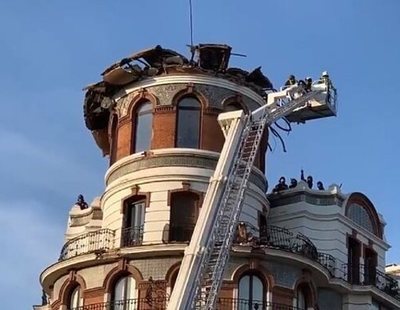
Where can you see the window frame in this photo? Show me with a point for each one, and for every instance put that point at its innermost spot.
(179, 109)
(136, 121)
(196, 205)
(250, 299)
(132, 235)
(134, 290)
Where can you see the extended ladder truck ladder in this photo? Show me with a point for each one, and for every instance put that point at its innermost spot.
(201, 272)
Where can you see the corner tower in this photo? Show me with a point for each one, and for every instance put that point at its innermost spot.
(155, 115)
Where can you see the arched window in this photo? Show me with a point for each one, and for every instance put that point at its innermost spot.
(183, 216)
(124, 295)
(360, 215)
(188, 124)
(251, 292)
(75, 299)
(143, 130)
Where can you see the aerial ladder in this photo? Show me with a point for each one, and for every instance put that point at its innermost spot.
(202, 268)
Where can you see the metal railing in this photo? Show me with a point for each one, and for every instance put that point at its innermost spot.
(328, 261)
(161, 304)
(132, 236)
(369, 275)
(181, 233)
(99, 240)
(276, 237)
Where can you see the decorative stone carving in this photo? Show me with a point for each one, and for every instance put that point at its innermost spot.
(284, 275)
(122, 106)
(165, 93)
(215, 95)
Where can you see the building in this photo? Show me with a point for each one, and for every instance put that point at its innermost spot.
(394, 271)
(155, 115)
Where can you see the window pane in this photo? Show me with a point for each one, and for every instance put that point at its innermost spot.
(359, 215)
(189, 102)
(75, 298)
(130, 288)
(119, 290)
(188, 133)
(301, 300)
(135, 214)
(258, 289)
(244, 288)
(144, 120)
(183, 216)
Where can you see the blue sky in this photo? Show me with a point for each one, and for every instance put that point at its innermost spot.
(51, 49)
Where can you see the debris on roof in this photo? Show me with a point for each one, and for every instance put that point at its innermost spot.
(211, 59)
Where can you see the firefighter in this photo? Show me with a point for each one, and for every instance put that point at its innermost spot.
(324, 79)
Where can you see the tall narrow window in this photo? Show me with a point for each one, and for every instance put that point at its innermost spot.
(301, 299)
(353, 256)
(143, 130)
(75, 299)
(124, 294)
(251, 292)
(370, 262)
(132, 234)
(188, 127)
(183, 216)
(114, 139)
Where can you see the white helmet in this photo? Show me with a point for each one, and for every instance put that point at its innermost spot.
(325, 73)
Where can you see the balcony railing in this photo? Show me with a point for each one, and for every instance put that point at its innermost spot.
(276, 237)
(328, 261)
(99, 240)
(132, 236)
(181, 233)
(161, 304)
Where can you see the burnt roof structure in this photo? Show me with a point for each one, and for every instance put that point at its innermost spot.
(206, 59)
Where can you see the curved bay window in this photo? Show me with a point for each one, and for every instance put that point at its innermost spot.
(143, 128)
(75, 300)
(251, 292)
(188, 123)
(183, 216)
(124, 295)
(134, 210)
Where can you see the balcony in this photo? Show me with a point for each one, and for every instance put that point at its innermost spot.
(280, 238)
(161, 304)
(96, 241)
(132, 236)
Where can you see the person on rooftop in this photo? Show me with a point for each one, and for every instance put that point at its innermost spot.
(293, 183)
(310, 181)
(308, 81)
(281, 185)
(320, 186)
(291, 80)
